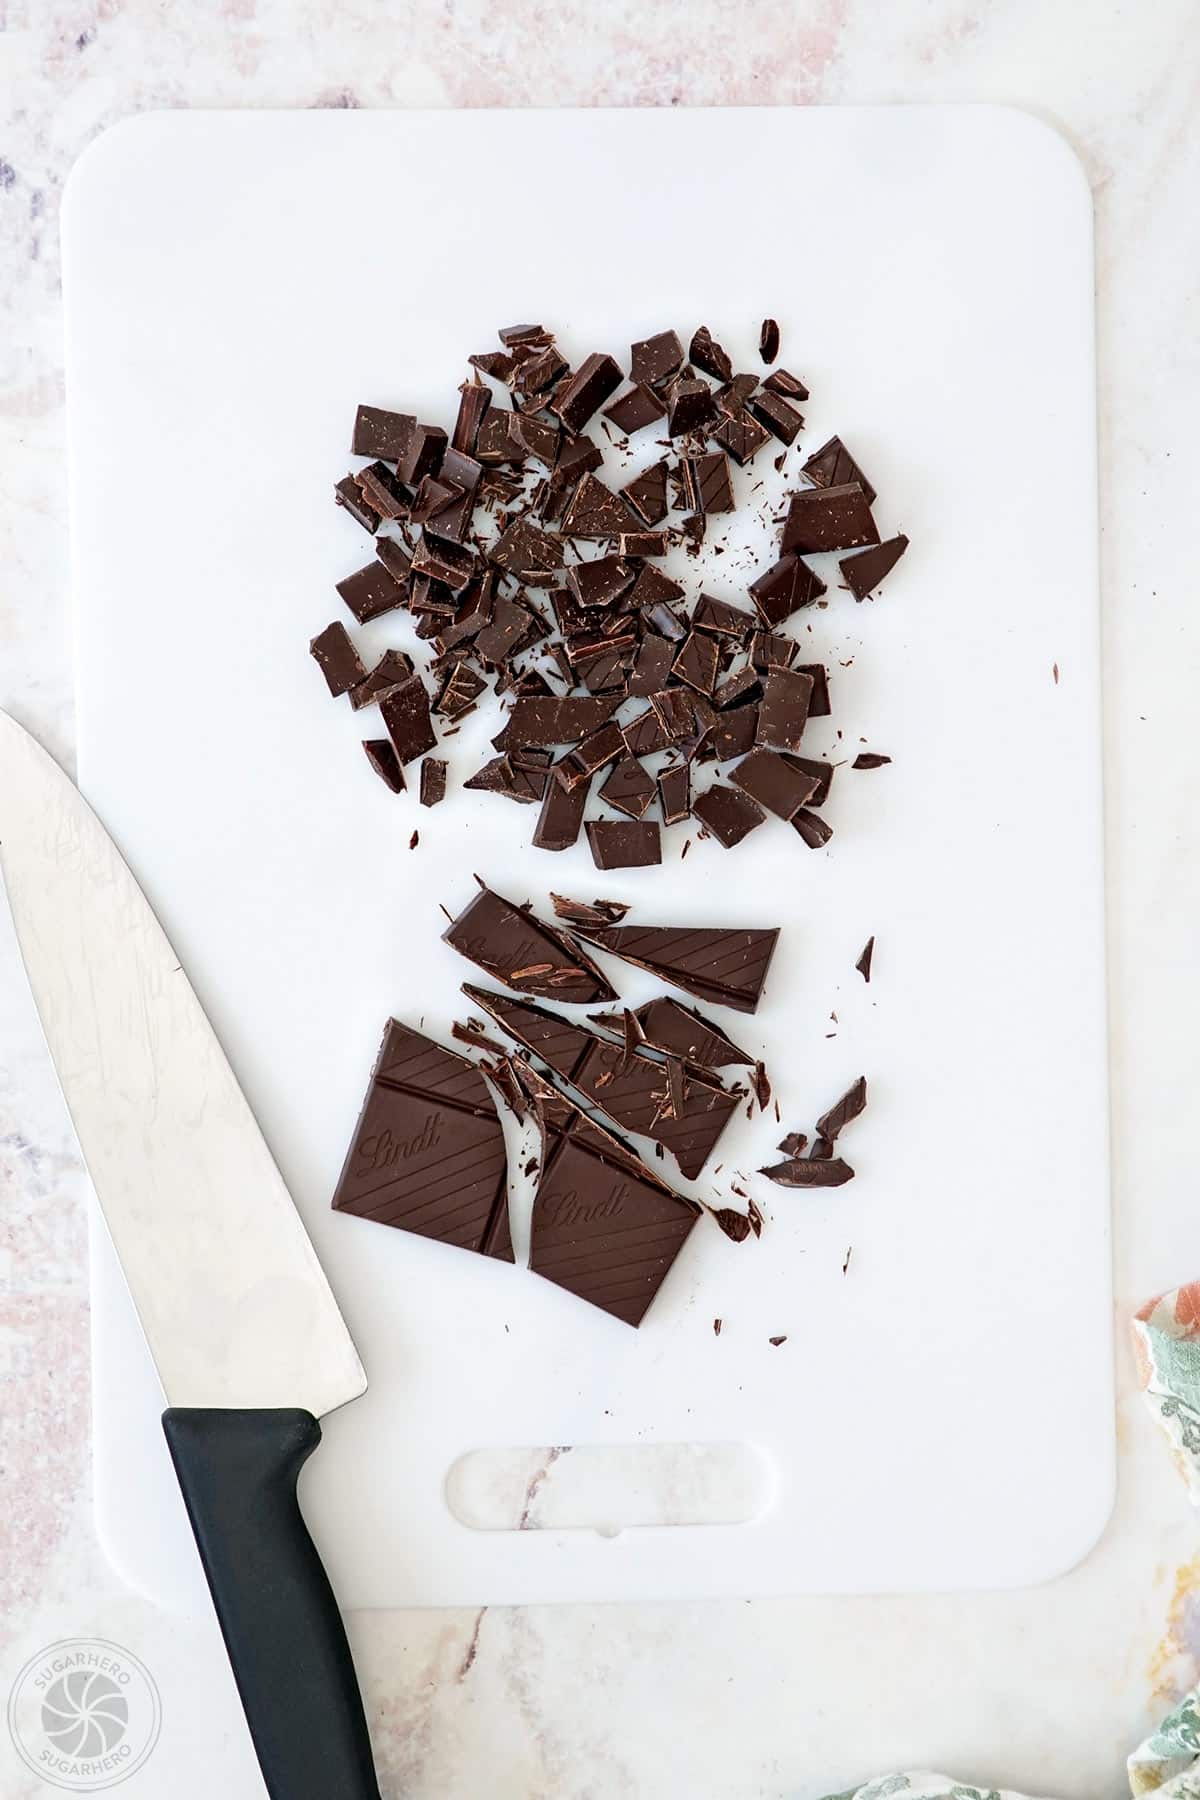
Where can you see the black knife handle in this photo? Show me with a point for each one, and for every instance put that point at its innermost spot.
(282, 1628)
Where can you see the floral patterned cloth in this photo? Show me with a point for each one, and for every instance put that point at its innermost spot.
(1167, 1340)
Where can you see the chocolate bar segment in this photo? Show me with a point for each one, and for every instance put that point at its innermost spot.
(371, 591)
(405, 710)
(621, 844)
(729, 815)
(832, 466)
(382, 434)
(513, 946)
(635, 409)
(722, 965)
(809, 1172)
(428, 1150)
(338, 660)
(784, 588)
(547, 722)
(833, 518)
(783, 712)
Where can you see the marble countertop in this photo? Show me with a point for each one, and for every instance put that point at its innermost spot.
(1042, 1690)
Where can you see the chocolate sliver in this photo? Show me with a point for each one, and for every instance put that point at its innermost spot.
(840, 1114)
(863, 965)
(812, 828)
(809, 1172)
(582, 912)
(561, 816)
(675, 793)
(428, 1150)
(723, 966)
(864, 572)
(870, 759)
(513, 946)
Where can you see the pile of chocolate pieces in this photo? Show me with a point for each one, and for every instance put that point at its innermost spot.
(529, 574)
(428, 1152)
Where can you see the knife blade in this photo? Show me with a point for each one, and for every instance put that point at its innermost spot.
(245, 1331)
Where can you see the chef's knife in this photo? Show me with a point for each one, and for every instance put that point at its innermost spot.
(249, 1343)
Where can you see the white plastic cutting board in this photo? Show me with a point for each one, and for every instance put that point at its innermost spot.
(941, 1414)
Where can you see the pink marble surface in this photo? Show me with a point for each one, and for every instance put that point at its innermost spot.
(1043, 1690)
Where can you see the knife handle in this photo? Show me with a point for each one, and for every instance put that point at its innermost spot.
(282, 1628)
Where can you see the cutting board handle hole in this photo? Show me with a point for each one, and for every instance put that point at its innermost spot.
(609, 1488)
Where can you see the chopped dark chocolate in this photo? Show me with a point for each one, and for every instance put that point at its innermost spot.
(809, 1172)
(560, 721)
(635, 409)
(651, 591)
(812, 828)
(599, 582)
(621, 844)
(628, 788)
(474, 400)
(386, 764)
(768, 340)
(794, 1143)
(670, 1026)
(832, 1123)
(821, 772)
(422, 453)
(781, 381)
(392, 668)
(690, 404)
(863, 965)
(706, 484)
(734, 1224)
(371, 591)
(433, 781)
(783, 711)
(831, 518)
(493, 362)
(740, 435)
(724, 966)
(708, 355)
(870, 759)
(735, 732)
(348, 494)
(645, 734)
(530, 554)
(696, 662)
(675, 793)
(832, 466)
(729, 815)
(656, 359)
(818, 706)
(428, 1150)
(561, 816)
(382, 434)
(589, 757)
(594, 511)
(596, 378)
(774, 783)
(771, 650)
(647, 493)
(723, 620)
(644, 543)
(582, 912)
(651, 665)
(776, 414)
(864, 572)
(738, 688)
(512, 946)
(499, 777)
(382, 492)
(405, 710)
(338, 660)
(784, 588)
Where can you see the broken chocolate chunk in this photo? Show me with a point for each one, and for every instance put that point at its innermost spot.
(739, 434)
(560, 721)
(428, 1150)
(830, 518)
(636, 409)
(773, 782)
(524, 551)
(628, 788)
(382, 492)
(690, 404)
(724, 966)
(348, 495)
(422, 453)
(782, 381)
(735, 732)
(821, 772)
(561, 816)
(656, 359)
(512, 946)
(706, 484)
(595, 511)
(768, 340)
(776, 414)
(696, 662)
(864, 572)
(599, 582)
(784, 588)
(783, 711)
(382, 434)
(433, 781)
(832, 466)
(863, 965)
(870, 759)
(405, 710)
(729, 815)
(371, 591)
(386, 764)
(670, 1026)
(647, 493)
(818, 706)
(618, 844)
(812, 828)
(596, 378)
(708, 355)
(581, 912)
(500, 777)
(337, 659)
(652, 665)
(473, 403)
(674, 793)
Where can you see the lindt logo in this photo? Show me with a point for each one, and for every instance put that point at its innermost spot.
(568, 1209)
(383, 1151)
